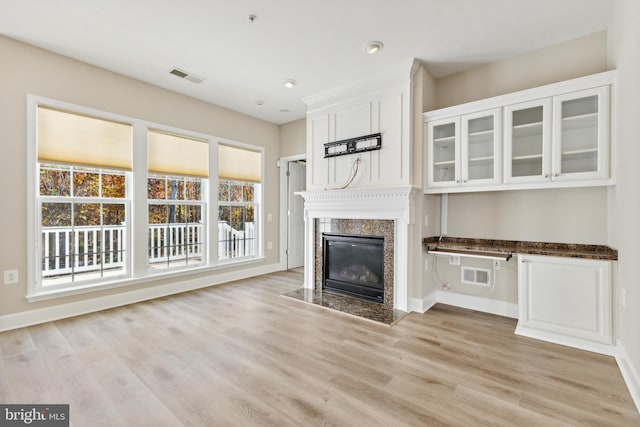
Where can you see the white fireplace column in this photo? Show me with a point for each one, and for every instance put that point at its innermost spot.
(385, 203)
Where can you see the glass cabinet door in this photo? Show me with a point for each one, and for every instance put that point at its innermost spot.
(527, 141)
(443, 152)
(579, 135)
(481, 148)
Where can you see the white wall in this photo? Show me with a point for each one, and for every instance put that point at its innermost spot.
(624, 200)
(29, 70)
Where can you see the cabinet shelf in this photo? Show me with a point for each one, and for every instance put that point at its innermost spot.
(444, 163)
(528, 125)
(445, 139)
(481, 159)
(481, 132)
(578, 152)
(531, 157)
(581, 116)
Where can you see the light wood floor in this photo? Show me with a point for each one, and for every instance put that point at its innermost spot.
(242, 355)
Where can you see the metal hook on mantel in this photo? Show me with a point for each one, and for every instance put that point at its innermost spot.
(354, 172)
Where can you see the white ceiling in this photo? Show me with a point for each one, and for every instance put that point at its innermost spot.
(317, 43)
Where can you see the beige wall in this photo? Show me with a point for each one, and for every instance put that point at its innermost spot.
(575, 58)
(624, 49)
(29, 70)
(293, 138)
(574, 215)
(562, 215)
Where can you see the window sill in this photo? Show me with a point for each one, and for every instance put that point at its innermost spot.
(44, 294)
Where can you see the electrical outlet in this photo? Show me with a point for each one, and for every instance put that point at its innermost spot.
(10, 277)
(269, 245)
(269, 217)
(496, 264)
(454, 260)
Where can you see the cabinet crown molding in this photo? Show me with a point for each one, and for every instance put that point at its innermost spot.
(580, 83)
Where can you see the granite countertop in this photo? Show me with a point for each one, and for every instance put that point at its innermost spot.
(571, 250)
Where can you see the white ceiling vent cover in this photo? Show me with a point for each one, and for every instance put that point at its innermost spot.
(186, 75)
(475, 276)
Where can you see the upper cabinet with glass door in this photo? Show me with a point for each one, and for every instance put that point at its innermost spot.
(551, 136)
(580, 135)
(481, 148)
(443, 152)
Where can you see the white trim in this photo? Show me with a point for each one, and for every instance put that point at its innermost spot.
(472, 302)
(422, 305)
(629, 373)
(283, 166)
(595, 347)
(61, 311)
(580, 83)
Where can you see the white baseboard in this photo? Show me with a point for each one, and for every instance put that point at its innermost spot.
(421, 305)
(472, 302)
(61, 311)
(629, 373)
(595, 347)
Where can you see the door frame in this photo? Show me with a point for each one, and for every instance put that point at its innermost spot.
(284, 242)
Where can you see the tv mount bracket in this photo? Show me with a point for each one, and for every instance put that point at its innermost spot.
(353, 145)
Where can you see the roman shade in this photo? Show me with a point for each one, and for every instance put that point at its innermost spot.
(76, 139)
(239, 164)
(169, 154)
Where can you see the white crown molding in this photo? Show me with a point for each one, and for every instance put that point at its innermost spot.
(399, 75)
(580, 83)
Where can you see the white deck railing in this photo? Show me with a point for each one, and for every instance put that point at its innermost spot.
(87, 249)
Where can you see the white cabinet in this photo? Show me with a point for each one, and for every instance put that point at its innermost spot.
(565, 300)
(551, 137)
(464, 150)
(580, 135)
(443, 153)
(480, 146)
(527, 142)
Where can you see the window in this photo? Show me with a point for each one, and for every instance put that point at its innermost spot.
(239, 187)
(115, 200)
(82, 201)
(176, 202)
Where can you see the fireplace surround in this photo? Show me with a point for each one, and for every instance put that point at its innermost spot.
(384, 212)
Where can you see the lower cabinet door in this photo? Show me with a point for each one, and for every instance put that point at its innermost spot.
(565, 296)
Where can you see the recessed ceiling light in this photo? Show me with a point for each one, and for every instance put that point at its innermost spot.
(259, 101)
(373, 47)
(289, 83)
(284, 110)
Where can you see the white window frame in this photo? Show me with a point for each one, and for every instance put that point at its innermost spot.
(138, 269)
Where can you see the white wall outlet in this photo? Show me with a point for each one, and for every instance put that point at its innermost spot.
(269, 217)
(454, 260)
(269, 245)
(10, 277)
(496, 264)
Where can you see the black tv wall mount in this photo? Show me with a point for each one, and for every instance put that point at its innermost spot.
(353, 145)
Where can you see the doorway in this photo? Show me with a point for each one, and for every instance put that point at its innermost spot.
(293, 172)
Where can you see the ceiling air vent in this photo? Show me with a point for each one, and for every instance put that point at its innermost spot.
(187, 76)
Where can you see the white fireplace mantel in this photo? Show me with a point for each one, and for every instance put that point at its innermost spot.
(377, 203)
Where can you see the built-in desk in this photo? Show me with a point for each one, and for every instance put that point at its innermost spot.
(564, 290)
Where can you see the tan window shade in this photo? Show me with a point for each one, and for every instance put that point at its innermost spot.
(82, 140)
(239, 164)
(177, 155)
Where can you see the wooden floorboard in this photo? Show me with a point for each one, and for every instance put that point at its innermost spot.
(240, 354)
